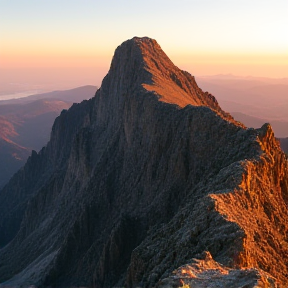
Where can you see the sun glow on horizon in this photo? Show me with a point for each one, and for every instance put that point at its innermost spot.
(202, 37)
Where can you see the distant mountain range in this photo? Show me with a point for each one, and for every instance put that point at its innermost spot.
(264, 99)
(25, 124)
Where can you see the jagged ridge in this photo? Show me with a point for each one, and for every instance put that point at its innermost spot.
(137, 187)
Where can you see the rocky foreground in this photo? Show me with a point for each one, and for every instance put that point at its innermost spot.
(148, 184)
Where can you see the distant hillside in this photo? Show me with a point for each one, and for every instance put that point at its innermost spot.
(25, 125)
(280, 128)
(264, 98)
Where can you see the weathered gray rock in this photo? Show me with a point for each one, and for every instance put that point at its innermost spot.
(135, 183)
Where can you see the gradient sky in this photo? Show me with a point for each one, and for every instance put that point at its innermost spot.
(61, 41)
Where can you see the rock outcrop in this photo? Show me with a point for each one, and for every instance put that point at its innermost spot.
(139, 181)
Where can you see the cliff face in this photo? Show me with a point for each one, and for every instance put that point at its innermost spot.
(135, 183)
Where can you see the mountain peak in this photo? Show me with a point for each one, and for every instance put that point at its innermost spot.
(141, 64)
(144, 43)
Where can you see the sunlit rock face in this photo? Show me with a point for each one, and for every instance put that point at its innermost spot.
(140, 181)
(206, 272)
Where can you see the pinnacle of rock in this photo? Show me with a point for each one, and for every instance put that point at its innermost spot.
(139, 64)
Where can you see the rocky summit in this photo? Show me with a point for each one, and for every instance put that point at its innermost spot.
(148, 184)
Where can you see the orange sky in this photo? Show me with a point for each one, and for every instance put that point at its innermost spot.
(72, 44)
(67, 71)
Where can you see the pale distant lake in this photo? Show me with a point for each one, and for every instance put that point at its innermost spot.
(19, 95)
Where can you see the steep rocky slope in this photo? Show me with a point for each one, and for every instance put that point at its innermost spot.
(139, 181)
